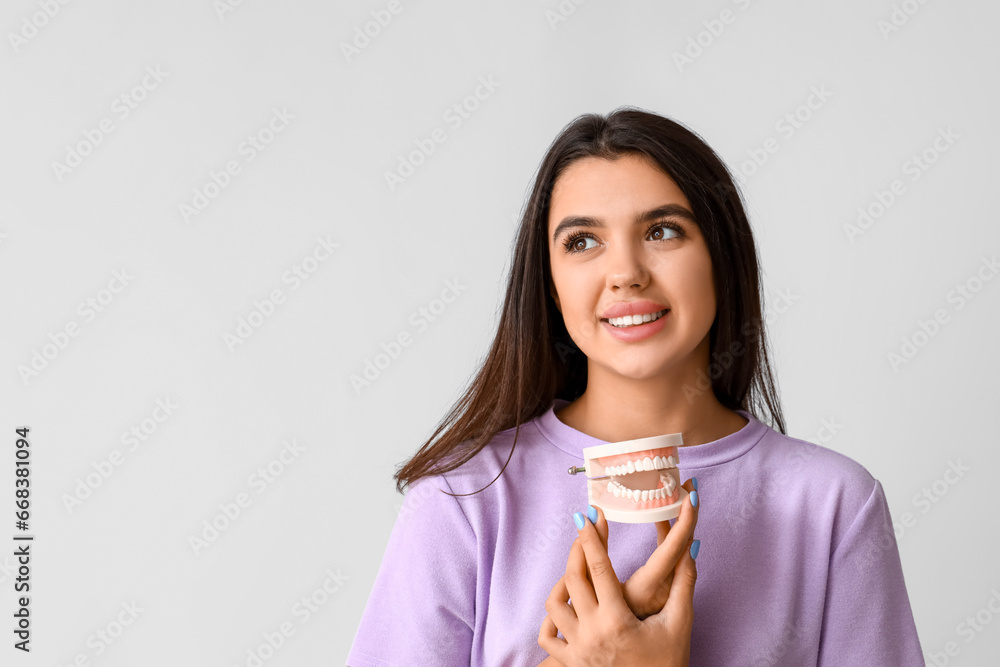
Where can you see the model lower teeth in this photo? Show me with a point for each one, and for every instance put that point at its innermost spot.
(665, 490)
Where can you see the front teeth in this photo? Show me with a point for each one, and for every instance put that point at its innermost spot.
(655, 463)
(630, 320)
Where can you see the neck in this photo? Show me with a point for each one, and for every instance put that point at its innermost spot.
(614, 408)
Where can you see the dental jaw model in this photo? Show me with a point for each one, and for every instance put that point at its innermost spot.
(635, 481)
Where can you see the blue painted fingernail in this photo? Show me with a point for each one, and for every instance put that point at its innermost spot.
(591, 514)
(694, 498)
(578, 519)
(695, 546)
(694, 483)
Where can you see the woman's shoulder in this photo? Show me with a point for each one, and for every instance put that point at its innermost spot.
(794, 459)
(827, 490)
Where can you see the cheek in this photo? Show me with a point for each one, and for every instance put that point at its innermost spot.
(578, 298)
(706, 289)
(572, 289)
(695, 287)
(578, 312)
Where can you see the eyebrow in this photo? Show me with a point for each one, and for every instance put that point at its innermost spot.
(675, 210)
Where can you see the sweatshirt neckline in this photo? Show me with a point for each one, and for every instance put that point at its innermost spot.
(567, 439)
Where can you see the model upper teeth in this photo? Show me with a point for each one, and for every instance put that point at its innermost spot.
(632, 320)
(655, 463)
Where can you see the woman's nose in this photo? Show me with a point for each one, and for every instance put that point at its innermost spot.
(626, 268)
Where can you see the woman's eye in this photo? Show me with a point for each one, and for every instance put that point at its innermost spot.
(573, 244)
(664, 229)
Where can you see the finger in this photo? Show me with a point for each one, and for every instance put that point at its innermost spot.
(602, 525)
(680, 604)
(550, 642)
(606, 585)
(560, 612)
(662, 529)
(675, 539)
(577, 584)
(596, 515)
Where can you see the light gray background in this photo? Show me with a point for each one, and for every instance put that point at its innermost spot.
(837, 308)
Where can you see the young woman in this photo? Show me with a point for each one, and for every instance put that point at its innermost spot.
(633, 308)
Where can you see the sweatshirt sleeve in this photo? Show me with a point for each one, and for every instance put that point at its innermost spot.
(421, 610)
(867, 619)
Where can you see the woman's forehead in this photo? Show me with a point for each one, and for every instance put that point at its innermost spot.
(599, 187)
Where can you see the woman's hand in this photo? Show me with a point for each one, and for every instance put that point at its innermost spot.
(598, 627)
(648, 589)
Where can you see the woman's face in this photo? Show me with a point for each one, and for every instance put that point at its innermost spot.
(628, 253)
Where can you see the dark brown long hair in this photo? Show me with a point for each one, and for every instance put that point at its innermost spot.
(533, 360)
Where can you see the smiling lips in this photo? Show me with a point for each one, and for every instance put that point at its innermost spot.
(636, 332)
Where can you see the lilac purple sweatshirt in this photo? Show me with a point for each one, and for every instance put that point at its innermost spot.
(798, 562)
